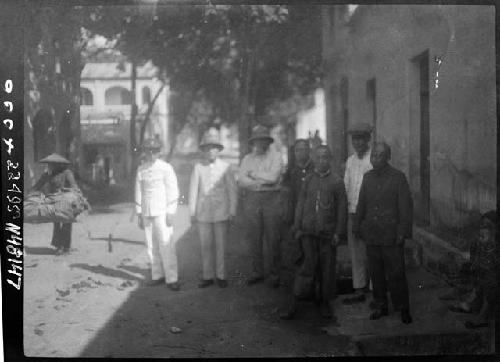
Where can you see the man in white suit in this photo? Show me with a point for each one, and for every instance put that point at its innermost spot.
(156, 196)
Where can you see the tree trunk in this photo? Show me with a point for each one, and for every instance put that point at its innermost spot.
(148, 113)
(133, 116)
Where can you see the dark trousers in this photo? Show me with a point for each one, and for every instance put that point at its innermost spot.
(61, 237)
(387, 272)
(262, 211)
(318, 265)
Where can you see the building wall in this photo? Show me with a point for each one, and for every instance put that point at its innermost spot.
(159, 117)
(380, 42)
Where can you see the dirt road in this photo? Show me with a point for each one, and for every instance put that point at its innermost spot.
(93, 303)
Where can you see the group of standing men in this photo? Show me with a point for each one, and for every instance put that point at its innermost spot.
(370, 206)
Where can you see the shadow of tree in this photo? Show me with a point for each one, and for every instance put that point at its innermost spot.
(120, 240)
(99, 269)
(39, 250)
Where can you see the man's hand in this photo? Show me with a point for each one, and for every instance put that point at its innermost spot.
(140, 221)
(193, 220)
(231, 219)
(169, 219)
(335, 240)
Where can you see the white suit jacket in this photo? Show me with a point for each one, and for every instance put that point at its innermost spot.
(156, 189)
(212, 192)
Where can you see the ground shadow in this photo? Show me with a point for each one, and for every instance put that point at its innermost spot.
(238, 321)
(99, 269)
(120, 240)
(136, 270)
(40, 250)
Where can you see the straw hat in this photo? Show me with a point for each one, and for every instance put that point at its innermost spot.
(55, 158)
(260, 133)
(210, 139)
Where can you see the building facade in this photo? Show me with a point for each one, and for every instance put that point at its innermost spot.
(424, 77)
(105, 117)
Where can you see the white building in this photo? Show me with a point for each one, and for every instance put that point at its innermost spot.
(313, 120)
(105, 117)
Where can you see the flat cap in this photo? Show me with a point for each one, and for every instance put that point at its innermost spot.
(360, 128)
(55, 158)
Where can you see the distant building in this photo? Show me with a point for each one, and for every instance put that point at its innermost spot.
(424, 77)
(105, 117)
(313, 121)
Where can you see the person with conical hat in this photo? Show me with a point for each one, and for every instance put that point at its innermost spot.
(260, 177)
(356, 166)
(212, 205)
(57, 177)
(156, 198)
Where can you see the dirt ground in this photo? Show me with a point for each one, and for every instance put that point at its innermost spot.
(93, 302)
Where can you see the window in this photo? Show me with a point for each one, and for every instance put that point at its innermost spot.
(146, 95)
(371, 96)
(86, 97)
(344, 109)
(117, 96)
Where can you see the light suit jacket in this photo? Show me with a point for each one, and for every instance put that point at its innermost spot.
(212, 192)
(156, 189)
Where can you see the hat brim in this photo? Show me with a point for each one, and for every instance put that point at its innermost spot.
(267, 138)
(216, 145)
(61, 161)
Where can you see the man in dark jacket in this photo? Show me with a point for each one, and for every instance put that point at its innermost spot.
(320, 223)
(384, 220)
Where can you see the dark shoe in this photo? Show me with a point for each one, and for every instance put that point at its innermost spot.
(360, 298)
(289, 313)
(155, 282)
(274, 282)
(458, 309)
(379, 313)
(326, 311)
(205, 283)
(174, 286)
(474, 325)
(222, 283)
(406, 317)
(449, 296)
(254, 280)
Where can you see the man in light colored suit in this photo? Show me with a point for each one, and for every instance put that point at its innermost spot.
(212, 204)
(356, 166)
(156, 195)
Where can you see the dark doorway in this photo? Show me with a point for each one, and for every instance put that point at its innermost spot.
(420, 136)
(344, 109)
(106, 169)
(371, 96)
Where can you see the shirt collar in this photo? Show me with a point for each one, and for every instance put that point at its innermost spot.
(383, 170)
(306, 165)
(365, 155)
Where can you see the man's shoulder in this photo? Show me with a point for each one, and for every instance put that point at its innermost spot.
(396, 173)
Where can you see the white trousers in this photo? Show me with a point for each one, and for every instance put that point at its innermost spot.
(161, 248)
(213, 265)
(358, 258)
